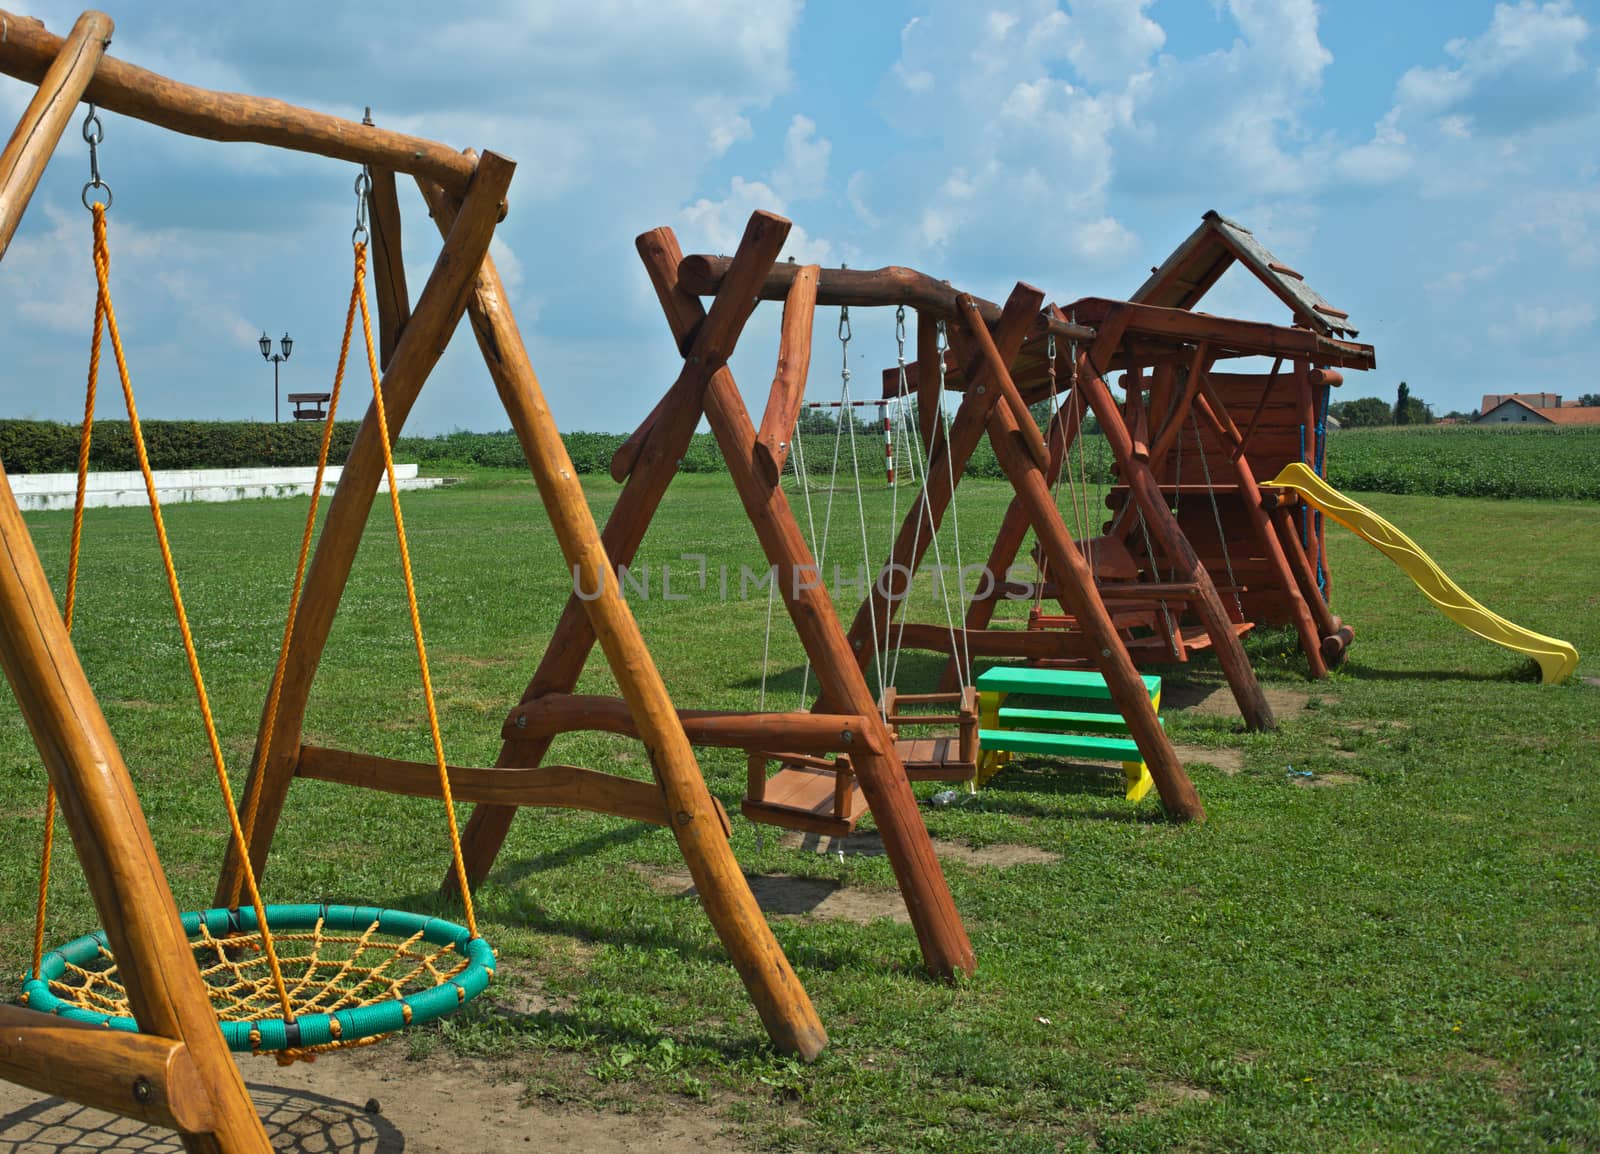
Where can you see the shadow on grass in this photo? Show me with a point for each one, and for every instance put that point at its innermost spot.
(1528, 672)
(1012, 792)
(590, 1030)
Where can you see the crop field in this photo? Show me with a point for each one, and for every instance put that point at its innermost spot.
(1384, 937)
(1469, 461)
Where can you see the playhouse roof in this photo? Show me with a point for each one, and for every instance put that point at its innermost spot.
(1195, 265)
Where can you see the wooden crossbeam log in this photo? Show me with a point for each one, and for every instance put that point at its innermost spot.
(890, 286)
(134, 1075)
(27, 51)
(799, 730)
(543, 786)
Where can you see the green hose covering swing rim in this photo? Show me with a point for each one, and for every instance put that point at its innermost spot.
(309, 1030)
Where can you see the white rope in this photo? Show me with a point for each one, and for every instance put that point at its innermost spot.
(803, 474)
(955, 529)
(1216, 513)
(861, 508)
(923, 451)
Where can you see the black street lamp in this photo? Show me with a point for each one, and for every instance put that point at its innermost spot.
(267, 354)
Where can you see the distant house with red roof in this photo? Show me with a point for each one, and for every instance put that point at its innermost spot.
(1535, 409)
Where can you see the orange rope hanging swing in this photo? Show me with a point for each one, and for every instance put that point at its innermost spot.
(290, 979)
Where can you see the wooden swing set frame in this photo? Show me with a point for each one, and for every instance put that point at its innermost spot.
(847, 724)
(176, 1070)
(1177, 348)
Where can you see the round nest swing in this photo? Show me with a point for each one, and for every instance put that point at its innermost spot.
(354, 973)
(292, 980)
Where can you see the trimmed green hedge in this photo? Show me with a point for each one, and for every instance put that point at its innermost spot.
(1455, 461)
(52, 447)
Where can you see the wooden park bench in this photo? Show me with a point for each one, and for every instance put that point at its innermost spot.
(309, 406)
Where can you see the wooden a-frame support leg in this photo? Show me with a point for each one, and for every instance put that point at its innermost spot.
(1163, 527)
(945, 946)
(102, 812)
(98, 802)
(1013, 531)
(1267, 538)
(438, 311)
(781, 1001)
(1078, 589)
(946, 462)
(463, 277)
(650, 469)
(651, 464)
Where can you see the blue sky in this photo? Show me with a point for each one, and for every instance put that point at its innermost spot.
(1433, 168)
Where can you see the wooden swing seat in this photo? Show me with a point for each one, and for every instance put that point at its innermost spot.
(807, 793)
(936, 759)
(944, 757)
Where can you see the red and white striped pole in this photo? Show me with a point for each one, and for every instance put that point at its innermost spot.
(888, 444)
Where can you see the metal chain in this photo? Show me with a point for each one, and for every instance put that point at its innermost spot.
(93, 133)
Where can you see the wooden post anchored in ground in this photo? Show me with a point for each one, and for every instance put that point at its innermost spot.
(779, 998)
(124, 876)
(945, 946)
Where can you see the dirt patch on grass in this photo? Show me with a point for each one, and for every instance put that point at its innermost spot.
(1000, 855)
(1217, 701)
(791, 896)
(1327, 779)
(1229, 761)
(1164, 1095)
(1377, 727)
(474, 660)
(374, 1101)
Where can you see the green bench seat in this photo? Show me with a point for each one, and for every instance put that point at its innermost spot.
(1077, 744)
(1053, 682)
(1016, 717)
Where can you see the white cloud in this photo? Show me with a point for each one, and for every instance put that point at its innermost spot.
(1555, 322)
(1527, 68)
(716, 226)
(615, 110)
(1110, 40)
(803, 172)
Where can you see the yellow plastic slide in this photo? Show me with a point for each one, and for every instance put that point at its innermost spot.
(1557, 659)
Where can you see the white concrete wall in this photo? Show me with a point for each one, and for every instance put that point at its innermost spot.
(40, 491)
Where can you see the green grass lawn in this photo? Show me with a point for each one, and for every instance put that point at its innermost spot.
(1403, 959)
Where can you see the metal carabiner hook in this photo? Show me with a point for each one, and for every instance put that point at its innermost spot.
(93, 133)
(363, 193)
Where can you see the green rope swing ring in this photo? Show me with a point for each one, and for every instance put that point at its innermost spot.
(353, 973)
